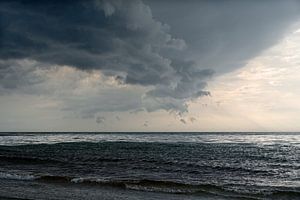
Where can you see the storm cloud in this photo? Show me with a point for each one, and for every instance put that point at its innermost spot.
(224, 35)
(123, 40)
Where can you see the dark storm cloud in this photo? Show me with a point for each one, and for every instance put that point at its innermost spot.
(120, 38)
(224, 34)
(124, 40)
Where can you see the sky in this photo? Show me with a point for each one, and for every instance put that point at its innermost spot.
(100, 65)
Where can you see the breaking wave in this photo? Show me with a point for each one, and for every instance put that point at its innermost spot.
(151, 186)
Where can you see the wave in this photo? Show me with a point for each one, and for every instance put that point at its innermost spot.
(140, 185)
(152, 186)
(155, 186)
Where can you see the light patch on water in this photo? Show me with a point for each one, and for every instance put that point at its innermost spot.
(50, 138)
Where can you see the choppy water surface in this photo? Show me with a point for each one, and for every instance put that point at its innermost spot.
(150, 166)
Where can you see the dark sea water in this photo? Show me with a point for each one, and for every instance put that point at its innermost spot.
(150, 166)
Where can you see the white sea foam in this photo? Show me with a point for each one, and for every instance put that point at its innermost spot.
(25, 177)
(78, 180)
(90, 180)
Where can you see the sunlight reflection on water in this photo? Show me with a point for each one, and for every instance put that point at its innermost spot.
(51, 138)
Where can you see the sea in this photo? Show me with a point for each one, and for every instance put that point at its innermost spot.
(148, 166)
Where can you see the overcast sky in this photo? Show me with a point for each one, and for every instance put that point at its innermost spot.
(150, 65)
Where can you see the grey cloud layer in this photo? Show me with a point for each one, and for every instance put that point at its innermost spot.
(225, 34)
(124, 40)
(120, 38)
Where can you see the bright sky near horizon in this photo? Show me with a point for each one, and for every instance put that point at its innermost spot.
(134, 66)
